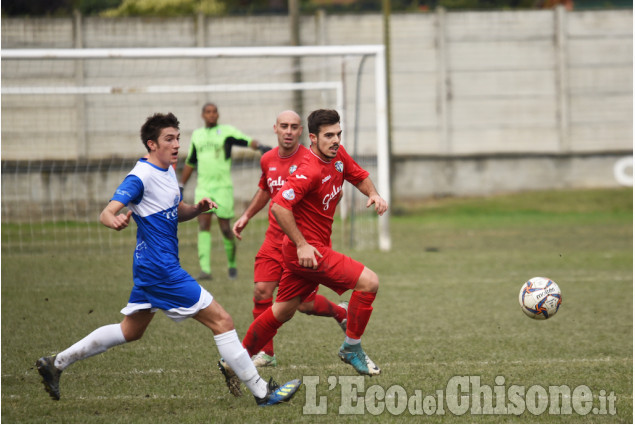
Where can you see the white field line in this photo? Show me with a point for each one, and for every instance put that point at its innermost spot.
(515, 362)
(400, 364)
(489, 362)
(330, 365)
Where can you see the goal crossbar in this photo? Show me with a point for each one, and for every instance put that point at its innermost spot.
(317, 85)
(192, 52)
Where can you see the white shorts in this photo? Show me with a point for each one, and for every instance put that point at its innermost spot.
(177, 302)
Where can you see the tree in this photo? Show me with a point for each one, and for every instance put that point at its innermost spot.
(166, 8)
(95, 7)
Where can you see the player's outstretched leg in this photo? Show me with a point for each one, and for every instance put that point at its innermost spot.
(96, 342)
(278, 394)
(50, 376)
(354, 355)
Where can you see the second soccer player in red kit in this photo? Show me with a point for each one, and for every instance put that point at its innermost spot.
(276, 166)
(304, 209)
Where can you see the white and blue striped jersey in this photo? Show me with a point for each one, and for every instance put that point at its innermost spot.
(153, 196)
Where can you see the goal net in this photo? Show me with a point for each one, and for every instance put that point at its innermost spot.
(71, 118)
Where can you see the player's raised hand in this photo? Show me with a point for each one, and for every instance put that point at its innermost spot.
(381, 206)
(239, 225)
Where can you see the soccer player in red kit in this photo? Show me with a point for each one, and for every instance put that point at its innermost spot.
(276, 166)
(304, 209)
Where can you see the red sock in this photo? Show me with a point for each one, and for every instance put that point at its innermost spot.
(359, 310)
(259, 308)
(323, 307)
(262, 330)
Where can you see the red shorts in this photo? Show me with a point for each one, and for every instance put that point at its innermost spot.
(268, 265)
(335, 271)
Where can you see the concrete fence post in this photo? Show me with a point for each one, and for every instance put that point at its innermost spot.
(443, 86)
(83, 150)
(562, 84)
(201, 41)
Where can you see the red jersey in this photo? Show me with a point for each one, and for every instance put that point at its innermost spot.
(314, 190)
(275, 171)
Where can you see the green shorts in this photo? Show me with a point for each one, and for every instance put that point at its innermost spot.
(224, 197)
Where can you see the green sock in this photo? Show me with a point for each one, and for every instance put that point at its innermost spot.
(205, 250)
(230, 250)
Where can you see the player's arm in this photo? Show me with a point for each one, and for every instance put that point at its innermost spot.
(258, 202)
(110, 216)
(306, 252)
(232, 141)
(253, 144)
(256, 145)
(187, 212)
(367, 187)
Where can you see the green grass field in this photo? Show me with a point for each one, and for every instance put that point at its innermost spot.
(447, 310)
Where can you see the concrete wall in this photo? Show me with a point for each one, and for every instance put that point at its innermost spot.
(480, 100)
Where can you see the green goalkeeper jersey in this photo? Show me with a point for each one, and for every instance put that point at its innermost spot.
(210, 153)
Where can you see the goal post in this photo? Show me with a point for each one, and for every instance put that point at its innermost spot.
(78, 74)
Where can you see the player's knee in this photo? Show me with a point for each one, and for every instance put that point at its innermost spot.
(373, 284)
(225, 228)
(283, 312)
(368, 281)
(263, 291)
(284, 316)
(225, 323)
(216, 318)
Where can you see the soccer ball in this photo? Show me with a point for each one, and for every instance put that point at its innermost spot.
(540, 298)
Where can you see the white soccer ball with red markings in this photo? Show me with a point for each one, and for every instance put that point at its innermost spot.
(540, 298)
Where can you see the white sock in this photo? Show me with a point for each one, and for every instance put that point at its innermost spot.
(237, 358)
(352, 341)
(96, 342)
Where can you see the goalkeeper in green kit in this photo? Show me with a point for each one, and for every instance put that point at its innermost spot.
(210, 153)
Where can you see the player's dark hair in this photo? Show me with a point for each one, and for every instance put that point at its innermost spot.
(151, 129)
(321, 117)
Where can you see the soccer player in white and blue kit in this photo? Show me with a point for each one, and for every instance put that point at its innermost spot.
(151, 193)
